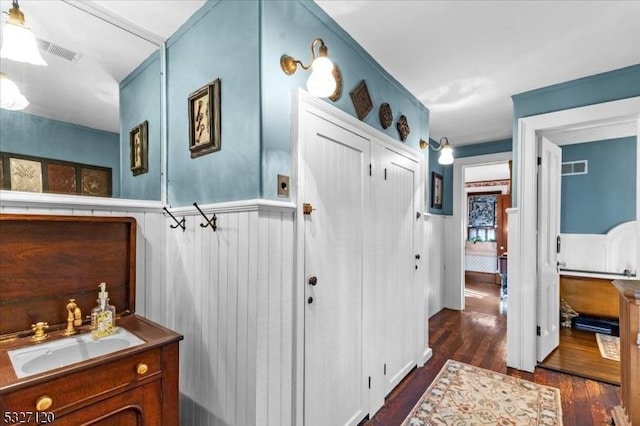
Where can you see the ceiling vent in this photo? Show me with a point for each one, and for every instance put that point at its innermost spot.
(57, 50)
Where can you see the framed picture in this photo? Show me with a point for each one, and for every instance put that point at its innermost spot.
(436, 190)
(204, 119)
(138, 147)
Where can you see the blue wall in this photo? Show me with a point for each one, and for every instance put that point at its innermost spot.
(609, 86)
(241, 43)
(140, 101)
(289, 27)
(463, 151)
(28, 134)
(219, 41)
(605, 197)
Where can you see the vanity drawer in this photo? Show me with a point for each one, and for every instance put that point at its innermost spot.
(83, 386)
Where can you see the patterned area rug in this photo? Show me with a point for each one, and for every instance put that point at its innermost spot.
(462, 394)
(609, 346)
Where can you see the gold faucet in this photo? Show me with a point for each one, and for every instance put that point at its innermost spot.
(74, 318)
(39, 329)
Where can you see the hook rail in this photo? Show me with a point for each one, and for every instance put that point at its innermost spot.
(210, 222)
(179, 223)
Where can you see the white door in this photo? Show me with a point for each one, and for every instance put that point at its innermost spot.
(548, 297)
(397, 265)
(335, 163)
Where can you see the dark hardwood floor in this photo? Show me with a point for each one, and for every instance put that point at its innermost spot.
(477, 336)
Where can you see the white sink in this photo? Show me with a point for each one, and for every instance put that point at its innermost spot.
(42, 357)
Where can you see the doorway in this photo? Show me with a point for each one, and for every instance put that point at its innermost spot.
(589, 216)
(487, 188)
(522, 342)
(455, 229)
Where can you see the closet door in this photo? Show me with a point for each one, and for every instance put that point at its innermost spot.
(397, 205)
(336, 185)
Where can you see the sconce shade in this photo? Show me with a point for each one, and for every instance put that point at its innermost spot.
(18, 42)
(446, 156)
(446, 152)
(10, 96)
(321, 82)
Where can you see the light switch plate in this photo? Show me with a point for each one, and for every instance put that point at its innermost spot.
(283, 186)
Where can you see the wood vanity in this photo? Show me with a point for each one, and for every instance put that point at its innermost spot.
(46, 260)
(629, 412)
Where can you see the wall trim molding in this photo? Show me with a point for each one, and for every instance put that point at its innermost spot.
(82, 202)
(237, 206)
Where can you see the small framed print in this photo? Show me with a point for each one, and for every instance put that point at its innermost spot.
(436, 190)
(204, 120)
(138, 147)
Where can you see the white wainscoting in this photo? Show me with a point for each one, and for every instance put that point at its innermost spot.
(434, 228)
(230, 293)
(612, 252)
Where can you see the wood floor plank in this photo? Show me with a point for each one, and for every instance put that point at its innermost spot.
(578, 354)
(477, 336)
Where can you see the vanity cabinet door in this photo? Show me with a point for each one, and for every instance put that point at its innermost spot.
(137, 407)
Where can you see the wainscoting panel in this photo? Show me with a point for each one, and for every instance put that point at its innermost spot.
(230, 295)
(434, 238)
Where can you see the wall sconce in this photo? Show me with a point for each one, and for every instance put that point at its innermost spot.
(324, 78)
(10, 96)
(18, 42)
(446, 152)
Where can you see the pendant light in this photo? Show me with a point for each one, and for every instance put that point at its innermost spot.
(18, 42)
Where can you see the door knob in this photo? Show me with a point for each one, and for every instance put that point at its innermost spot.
(418, 256)
(313, 280)
(310, 300)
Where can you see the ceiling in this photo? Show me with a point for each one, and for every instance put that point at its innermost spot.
(86, 91)
(465, 59)
(462, 59)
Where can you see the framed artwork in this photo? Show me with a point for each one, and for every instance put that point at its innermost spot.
(204, 119)
(361, 100)
(95, 181)
(482, 210)
(61, 178)
(436, 190)
(38, 174)
(26, 175)
(139, 148)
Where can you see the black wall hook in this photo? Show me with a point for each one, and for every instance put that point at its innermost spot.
(210, 222)
(179, 223)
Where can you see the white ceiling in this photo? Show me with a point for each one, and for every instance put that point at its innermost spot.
(464, 59)
(86, 92)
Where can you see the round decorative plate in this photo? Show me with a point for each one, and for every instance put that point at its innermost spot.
(386, 116)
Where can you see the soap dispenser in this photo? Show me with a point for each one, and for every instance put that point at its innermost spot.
(103, 316)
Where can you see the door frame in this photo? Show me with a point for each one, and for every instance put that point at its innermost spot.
(521, 334)
(454, 246)
(302, 103)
